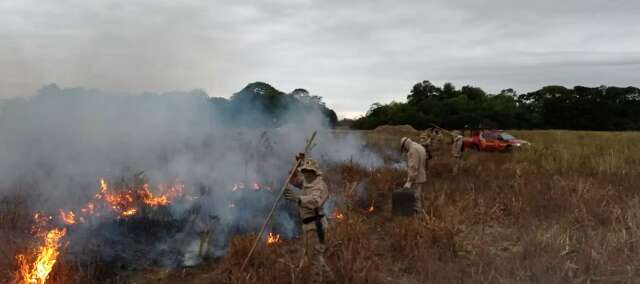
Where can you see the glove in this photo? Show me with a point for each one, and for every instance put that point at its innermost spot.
(407, 185)
(299, 156)
(291, 195)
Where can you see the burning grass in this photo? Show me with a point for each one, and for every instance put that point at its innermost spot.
(565, 210)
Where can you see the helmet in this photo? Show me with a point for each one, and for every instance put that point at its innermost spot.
(311, 165)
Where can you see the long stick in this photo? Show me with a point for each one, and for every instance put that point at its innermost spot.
(275, 204)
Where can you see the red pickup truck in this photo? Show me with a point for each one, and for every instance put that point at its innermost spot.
(493, 140)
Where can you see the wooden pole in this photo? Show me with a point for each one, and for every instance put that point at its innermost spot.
(307, 148)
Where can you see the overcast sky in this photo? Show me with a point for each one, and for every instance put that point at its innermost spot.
(353, 53)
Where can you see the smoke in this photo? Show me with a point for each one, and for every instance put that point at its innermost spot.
(59, 142)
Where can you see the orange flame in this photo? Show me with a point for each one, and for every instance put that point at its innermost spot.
(68, 218)
(151, 200)
(126, 201)
(273, 239)
(45, 259)
(371, 208)
(89, 208)
(123, 201)
(129, 212)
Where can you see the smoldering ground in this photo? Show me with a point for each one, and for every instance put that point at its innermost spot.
(56, 145)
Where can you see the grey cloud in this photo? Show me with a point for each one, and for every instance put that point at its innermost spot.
(351, 52)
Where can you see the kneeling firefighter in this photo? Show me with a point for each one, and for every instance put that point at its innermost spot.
(310, 201)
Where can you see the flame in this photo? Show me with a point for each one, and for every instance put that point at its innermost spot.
(337, 216)
(129, 212)
(149, 199)
(273, 239)
(68, 218)
(127, 200)
(40, 221)
(103, 186)
(45, 259)
(89, 208)
(371, 208)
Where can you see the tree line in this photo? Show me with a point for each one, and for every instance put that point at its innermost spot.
(261, 105)
(551, 107)
(258, 105)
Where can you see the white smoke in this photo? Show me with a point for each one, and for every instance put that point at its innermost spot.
(59, 142)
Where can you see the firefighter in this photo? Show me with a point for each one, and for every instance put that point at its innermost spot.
(457, 145)
(426, 140)
(416, 169)
(310, 201)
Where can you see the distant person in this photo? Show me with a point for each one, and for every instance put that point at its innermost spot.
(457, 145)
(416, 169)
(437, 140)
(425, 141)
(310, 201)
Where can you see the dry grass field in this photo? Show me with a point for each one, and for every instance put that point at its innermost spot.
(565, 210)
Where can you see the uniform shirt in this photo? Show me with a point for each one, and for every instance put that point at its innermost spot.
(416, 163)
(312, 197)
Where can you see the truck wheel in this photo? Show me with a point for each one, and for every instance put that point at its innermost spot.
(508, 149)
(475, 147)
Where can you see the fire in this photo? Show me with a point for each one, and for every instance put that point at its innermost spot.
(127, 200)
(103, 186)
(124, 201)
(89, 208)
(149, 199)
(337, 216)
(273, 239)
(68, 218)
(371, 208)
(129, 212)
(45, 259)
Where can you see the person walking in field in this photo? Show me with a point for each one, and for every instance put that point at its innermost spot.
(416, 169)
(310, 201)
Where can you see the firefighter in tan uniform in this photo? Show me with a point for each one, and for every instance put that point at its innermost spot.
(310, 201)
(416, 169)
(437, 140)
(457, 144)
(426, 138)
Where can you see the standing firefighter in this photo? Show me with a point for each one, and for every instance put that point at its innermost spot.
(310, 201)
(457, 145)
(426, 140)
(416, 169)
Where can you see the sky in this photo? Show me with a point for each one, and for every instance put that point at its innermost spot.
(352, 53)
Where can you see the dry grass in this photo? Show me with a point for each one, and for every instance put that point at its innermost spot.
(565, 210)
